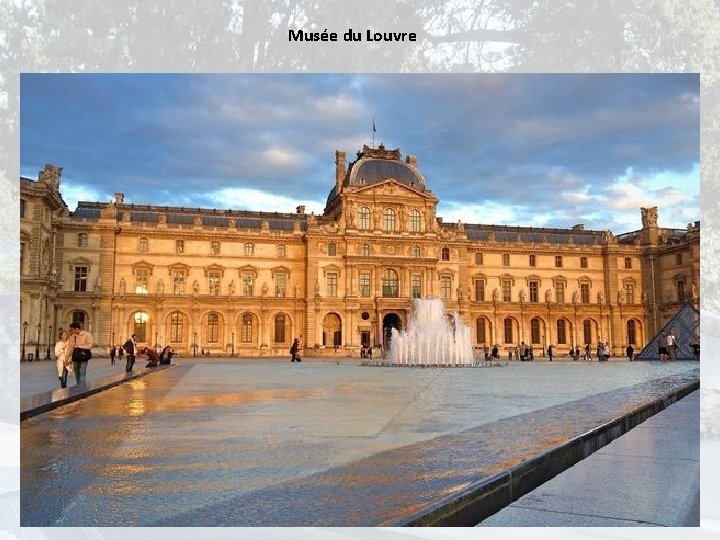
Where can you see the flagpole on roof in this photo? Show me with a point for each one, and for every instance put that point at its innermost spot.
(374, 130)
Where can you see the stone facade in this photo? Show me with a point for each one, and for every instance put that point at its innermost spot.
(246, 283)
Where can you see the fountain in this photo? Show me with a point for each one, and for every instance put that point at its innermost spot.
(431, 339)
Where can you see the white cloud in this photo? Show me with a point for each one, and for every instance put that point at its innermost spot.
(258, 200)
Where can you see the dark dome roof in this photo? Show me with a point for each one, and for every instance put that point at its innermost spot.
(372, 171)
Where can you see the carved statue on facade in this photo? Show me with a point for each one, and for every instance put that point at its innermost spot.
(649, 216)
(693, 291)
(575, 297)
(496, 294)
(522, 295)
(231, 287)
(122, 286)
(548, 295)
(620, 297)
(600, 297)
(50, 175)
(264, 288)
(196, 287)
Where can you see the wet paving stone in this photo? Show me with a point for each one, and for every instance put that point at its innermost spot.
(314, 444)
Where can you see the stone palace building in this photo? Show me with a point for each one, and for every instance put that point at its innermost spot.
(246, 283)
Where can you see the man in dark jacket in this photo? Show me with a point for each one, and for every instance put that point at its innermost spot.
(130, 347)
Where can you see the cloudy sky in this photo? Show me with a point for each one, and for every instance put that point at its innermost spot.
(533, 150)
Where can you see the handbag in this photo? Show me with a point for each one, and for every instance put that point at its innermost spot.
(81, 355)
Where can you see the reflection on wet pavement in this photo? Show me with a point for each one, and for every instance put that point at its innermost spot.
(313, 444)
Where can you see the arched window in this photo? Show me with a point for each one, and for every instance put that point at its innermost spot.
(389, 224)
(280, 328)
(561, 332)
(445, 254)
(631, 332)
(508, 324)
(587, 331)
(390, 283)
(415, 220)
(365, 250)
(212, 327)
(176, 327)
(416, 252)
(249, 248)
(364, 218)
(332, 249)
(535, 331)
(79, 317)
(480, 330)
(143, 245)
(140, 320)
(247, 328)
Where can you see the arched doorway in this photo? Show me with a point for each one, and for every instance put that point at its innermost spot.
(390, 321)
(332, 330)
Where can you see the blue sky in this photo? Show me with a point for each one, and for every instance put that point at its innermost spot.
(512, 149)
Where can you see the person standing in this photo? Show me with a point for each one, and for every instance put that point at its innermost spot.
(629, 352)
(62, 358)
(120, 352)
(662, 347)
(113, 352)
(550, 352)
(130, 347)
(587, 352)
(672, 346)
(81, 343)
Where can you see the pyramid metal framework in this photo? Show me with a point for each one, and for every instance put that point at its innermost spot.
(686, 327)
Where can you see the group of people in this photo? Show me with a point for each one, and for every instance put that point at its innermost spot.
(667, 346)
(73, 352)
(366, 352)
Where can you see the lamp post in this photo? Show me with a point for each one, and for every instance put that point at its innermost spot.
(50, 333)
(194, 343)
(37, 343)
(232, 353)
(22, 356)
(156, 343)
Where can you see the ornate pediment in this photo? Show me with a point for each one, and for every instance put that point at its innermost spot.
(142, 265)
(214, 268)
(392, 188)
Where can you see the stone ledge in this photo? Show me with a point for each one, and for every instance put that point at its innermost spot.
(481, 500)
(46, 401)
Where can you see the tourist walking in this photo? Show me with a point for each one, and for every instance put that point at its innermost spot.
(62, 358)
(81, 342)
(550, 352)
(599, 351)
(113, 352)
(662, 347)
(130, 347)
(629, 352)
(294, 350)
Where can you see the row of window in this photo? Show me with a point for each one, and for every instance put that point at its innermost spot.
(532, 260)
(390, 219)
(178, 327)
(248, 247)
(482, 331)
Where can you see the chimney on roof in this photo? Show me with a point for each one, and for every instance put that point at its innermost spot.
(119, 198)
(340, 166)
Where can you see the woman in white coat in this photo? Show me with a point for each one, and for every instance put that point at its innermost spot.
(63, 362)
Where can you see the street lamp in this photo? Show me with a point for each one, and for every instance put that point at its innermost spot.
(37, 344)
(194, 343)
(232, 353)
(156, 343)
(50, 334)
(22, 356)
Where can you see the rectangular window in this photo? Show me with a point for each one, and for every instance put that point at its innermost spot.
(558, 261)
(22, 208)
(178, 282)
(531, 260)
(446, 287)
(680, 291)
(561, 337)
(247, 284)
(506, 286)
(479, 290)
(560, 292)
(583, 262)
(141, 280)
(506, 259)
(508, 327)
(628, 263)
(629, 293)
(214, 283)
(365, 284)
(480, 330)
(81, 275)
(332, 285)
(416, 286)
(678, 258)
(22, 258)
(179, 246)
(247, 328)
(534, 287)
(215, 248)
(585, 293)
(212, 329)
(280, 285)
